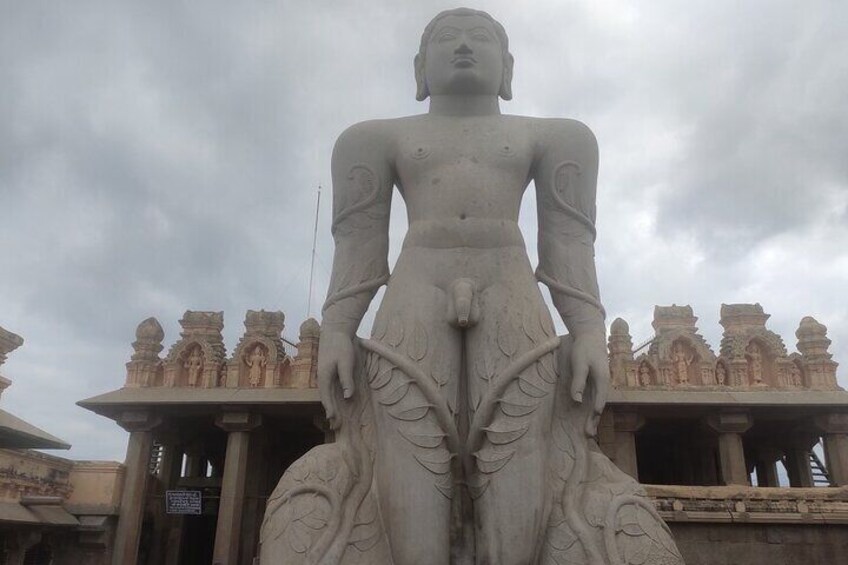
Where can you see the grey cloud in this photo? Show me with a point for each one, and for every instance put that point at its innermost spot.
(156, 157)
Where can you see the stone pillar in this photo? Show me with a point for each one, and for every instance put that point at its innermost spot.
(140, 424)
(798, 467)
(233, 486)
(766, 467)
(169, 474)
(835, 430)
(730, 426)
(626, 424)
(798, 447)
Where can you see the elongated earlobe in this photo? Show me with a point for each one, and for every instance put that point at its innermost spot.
(421, 91)
(506, 81)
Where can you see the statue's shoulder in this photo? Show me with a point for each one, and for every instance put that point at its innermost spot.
(379, 131)
(556, 132)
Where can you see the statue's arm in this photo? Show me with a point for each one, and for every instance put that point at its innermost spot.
(566, 177)
(362, 193)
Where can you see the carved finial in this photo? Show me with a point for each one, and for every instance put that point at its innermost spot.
(674, 316)
(144, 363)
(310, 329)
(260, 322)
(743, 316)
(619, 327)
(150, 331)
(817, 361)
(8, 343)
(812, 337)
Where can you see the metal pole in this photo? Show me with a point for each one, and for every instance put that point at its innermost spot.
(314, 245)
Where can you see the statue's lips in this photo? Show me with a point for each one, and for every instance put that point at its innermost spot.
(464, 62)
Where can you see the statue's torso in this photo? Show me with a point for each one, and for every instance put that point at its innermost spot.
(451, 168)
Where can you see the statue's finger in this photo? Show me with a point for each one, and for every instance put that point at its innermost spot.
(601, 381)
(579, 373)
(346, 376)
(329, 402)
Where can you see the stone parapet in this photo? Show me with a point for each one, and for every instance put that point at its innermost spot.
(751, 357)
(750, 504)
(199, 359)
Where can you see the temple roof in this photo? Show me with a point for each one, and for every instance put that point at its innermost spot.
(18, 434)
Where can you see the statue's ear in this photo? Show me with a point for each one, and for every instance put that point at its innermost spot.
(421, 92)
(506, 81)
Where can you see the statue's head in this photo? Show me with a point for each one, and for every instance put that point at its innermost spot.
(464, 51)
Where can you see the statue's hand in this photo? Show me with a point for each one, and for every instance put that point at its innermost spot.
(336, 356)
(589, 360)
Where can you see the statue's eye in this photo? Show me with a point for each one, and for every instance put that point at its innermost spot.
(480, 37)
(446, 37)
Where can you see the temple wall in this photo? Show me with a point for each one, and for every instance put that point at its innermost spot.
(761, 544)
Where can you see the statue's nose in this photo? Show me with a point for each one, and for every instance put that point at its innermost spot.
(463, 49)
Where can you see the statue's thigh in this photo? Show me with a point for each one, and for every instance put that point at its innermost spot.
(413, 475)
(512, 457)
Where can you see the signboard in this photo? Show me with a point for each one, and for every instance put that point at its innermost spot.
(183, 502)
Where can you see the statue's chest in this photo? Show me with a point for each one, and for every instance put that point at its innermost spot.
(481, 150)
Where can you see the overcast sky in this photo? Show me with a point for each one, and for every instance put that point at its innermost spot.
(163, 156)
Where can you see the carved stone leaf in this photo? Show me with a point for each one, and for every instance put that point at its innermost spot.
(427, 441)
(380, 328)
(545, 368)
(502, 434)
(515, 409)
(493, 461)
(394, 336)
(410, 414)
(529, 324)
(562, 439)
(382, 378)
(416, 346)
(531, 389)
(366, 543)
(435, 463)
(395, 395)
(560, 536)
(507, 340)
(298, 539)
(444, 484)
(477, 485)
(597, 501)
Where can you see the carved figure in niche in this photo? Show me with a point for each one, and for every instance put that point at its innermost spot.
(755, 364)
(632, 376)
(193, 365)
(256, 362)
(721, 374)
(644, 374)
(795, 375)
(466, 426)
(682, 359)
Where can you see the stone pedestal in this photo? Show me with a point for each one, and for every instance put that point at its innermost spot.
(626, 424)
(730, 426)
(835, 430)
(230, 512)
(140, 424)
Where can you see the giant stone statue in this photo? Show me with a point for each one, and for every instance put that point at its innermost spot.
(465, 426)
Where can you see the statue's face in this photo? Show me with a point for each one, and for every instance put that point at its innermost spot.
(464, 56)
